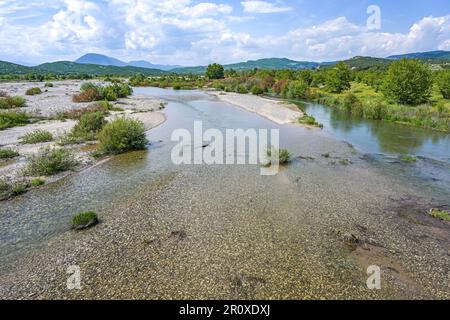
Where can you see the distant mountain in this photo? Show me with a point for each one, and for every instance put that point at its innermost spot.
(440, 54)
(68, 67)
(99, 59)
(270, 63)
(364, 63)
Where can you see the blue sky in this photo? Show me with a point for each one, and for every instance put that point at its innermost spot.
(191, 32)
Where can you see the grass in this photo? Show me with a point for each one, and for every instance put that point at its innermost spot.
(8, 190)
(309, 120)
(37, 136)
(440, 214)
(83, 219)
(50, 161)
(122, 135)
(33, 91)
(365, 102)
(10, 119)
(37, 182)
(8, 153)
(86, 129)
(409, 159)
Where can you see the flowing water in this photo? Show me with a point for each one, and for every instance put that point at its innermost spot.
(297, 199)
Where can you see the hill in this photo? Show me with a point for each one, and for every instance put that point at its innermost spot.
(12, 68)
(270, 63)
(67, 67)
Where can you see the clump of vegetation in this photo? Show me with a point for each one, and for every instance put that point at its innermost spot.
(12, 102)
(9, 119)
(33, 91)
(3, 94)
(84, 220)
(5, 189)
(89, 125)
(50, 161)
(409, 159)
(8, 153)
(443, 82)
(309, 120)
(122, 135)
(283, 155)
(37, 182)
(48, 85)
(409, 82)
(37, 136)
(92, 92)
(440, 214)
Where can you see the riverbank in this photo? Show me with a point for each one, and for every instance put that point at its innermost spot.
(47, 107)
(277, 111)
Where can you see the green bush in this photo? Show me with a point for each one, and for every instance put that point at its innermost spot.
(215, 71)
(122, 135)
(257, 90)
(50, 161)
(37, 136)
(408, 82)
(12, 102)
(84, 219)
(9, 119)
(296, 90)
(48, 85)
(89, 125)
(33, 91)
(7, 153)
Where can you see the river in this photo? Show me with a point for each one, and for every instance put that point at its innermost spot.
(263, 237)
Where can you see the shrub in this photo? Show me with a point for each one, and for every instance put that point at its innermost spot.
(3, 94)
(257, 90)
(33, 91)
(309, 120)
(408, 82)
(37, 182)
(94, 107)
(8, 153)
(12, 102)
(296, 90)
(88, 95)
(11, 119)
(48, 85)
(37, 136)
(89, 125)
(84, 220)
(5, 189)
(50, 161)
(122, 135)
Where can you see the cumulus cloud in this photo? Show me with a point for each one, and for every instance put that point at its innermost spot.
(194, 33)
(257, 6)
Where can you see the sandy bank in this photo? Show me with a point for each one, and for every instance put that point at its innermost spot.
(276, 111)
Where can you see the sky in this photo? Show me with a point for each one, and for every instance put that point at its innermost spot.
(191, 32)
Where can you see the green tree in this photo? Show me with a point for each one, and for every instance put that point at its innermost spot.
(408, 81)
(215, 71)
(338, 78)
(296, 90)
(443, 82)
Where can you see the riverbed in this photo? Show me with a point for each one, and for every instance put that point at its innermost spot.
(225, 231)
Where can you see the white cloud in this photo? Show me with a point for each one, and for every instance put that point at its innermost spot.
(257, 6)
(193, 33)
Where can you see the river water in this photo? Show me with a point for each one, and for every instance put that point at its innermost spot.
(293, 201)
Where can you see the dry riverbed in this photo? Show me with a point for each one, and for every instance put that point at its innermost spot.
(56, 100)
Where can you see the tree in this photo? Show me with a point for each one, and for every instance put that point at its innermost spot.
(297, 90)
(443, 82)
(408, 81)
(215, 71)
(338, 78)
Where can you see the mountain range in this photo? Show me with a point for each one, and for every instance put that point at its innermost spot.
(96, 64)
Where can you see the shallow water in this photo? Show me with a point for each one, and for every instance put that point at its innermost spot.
(29, 220)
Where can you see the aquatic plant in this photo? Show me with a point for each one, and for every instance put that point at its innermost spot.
(440, 214)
